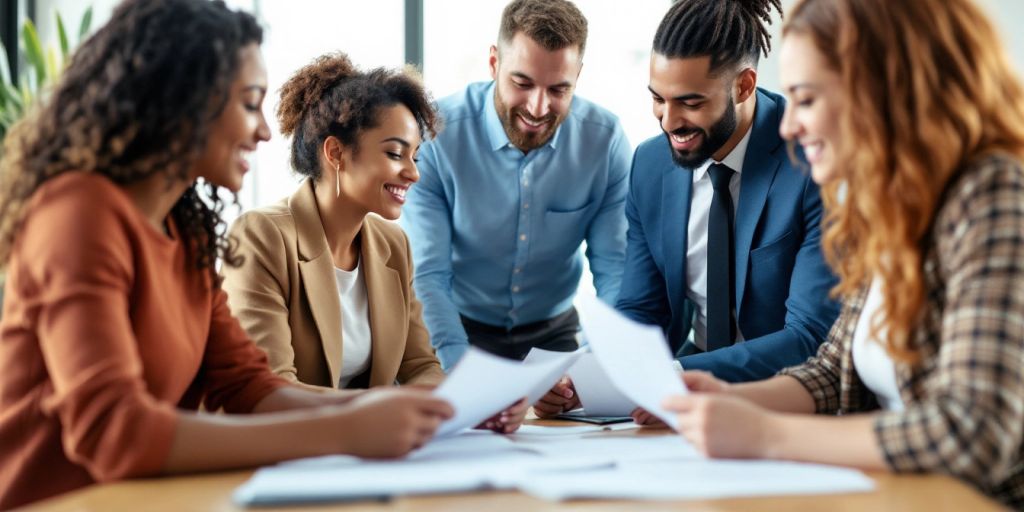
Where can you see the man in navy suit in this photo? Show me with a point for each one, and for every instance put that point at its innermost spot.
(723, 243)
(759, 301)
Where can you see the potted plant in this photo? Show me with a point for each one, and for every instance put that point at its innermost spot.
(43, 67)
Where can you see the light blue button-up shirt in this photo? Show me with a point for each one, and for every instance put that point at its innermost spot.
(496, 234)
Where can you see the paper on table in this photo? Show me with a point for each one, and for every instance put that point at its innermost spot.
(597, 392)
(635, 356)
(465, 462)
(481, 385)
(695, 479)
(619, 448)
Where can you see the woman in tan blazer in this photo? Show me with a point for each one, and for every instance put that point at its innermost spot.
(355, 136)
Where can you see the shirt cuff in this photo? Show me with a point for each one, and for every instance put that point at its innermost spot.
(450, 352)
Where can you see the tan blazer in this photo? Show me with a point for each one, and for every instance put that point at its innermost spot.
(285, 296)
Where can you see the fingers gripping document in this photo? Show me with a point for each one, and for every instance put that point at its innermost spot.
(481, 385)
(633, 355)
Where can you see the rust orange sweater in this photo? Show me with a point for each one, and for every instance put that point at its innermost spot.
(107, 332)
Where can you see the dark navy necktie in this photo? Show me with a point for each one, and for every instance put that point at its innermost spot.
(721, 327)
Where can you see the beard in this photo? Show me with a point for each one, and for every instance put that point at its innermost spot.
(525, 141)
(714, 138)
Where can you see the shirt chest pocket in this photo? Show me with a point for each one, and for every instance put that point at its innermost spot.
(562, 231)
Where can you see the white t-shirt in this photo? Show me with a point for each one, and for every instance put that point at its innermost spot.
(355, 323)
(872, 362)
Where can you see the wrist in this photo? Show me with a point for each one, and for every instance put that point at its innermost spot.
(773, 436)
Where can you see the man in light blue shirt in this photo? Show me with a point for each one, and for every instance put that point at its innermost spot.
(520, 176)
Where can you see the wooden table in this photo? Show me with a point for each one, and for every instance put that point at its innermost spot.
(212, 492)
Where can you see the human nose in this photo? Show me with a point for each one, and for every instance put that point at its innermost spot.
(263, 129)
(789, 127)
(537, 104)
(669, 117)
(411, 172)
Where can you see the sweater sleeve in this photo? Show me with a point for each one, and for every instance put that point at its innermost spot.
(235, 370)
(78, 279)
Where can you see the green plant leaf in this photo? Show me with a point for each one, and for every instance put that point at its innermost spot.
(61, 35)
(34, 51)
(53, 65)
(83, 28)
(11, 95)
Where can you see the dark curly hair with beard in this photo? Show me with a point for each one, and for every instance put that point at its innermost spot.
(137, 99)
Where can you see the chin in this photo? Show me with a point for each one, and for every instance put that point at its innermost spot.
(822, 174)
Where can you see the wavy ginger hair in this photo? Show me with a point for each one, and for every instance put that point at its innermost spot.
(928, 89)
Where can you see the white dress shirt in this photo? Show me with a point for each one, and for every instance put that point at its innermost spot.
(872, 362)
(697, 235)
(355, 323)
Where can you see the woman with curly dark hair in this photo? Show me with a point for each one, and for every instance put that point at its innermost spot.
(115, 328)
(326, 283)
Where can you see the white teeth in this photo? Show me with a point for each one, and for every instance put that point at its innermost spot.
(684, 139)
(396, 190)
(813, 151)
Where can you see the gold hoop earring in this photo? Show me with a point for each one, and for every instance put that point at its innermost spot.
(337, 181)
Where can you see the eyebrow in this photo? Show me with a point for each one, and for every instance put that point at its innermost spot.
(399, 140)
(526, 77)
(685, 97)
(796, 87)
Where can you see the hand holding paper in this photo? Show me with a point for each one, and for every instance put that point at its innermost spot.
(635, 356)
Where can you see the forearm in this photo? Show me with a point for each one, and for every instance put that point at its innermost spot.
(837, 440)
(779, 394)
(304, 396)
(209, 442)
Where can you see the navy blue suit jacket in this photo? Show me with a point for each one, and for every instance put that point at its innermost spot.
(782, 281)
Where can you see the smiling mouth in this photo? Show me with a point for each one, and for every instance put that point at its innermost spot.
(397, 192)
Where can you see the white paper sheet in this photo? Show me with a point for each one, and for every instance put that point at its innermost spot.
(695, 479)
(621, 448)
(469, 461)
(481, 385)
(598, 394)
(635, 356)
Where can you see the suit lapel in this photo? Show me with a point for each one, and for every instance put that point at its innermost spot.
(759, 167)
(676, 185)
(384, 293)
(316, 266)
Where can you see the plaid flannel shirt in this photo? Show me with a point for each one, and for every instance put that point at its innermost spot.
(964, 400)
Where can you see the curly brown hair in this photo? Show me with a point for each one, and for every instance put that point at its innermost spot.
(137, 99)
(331, 97)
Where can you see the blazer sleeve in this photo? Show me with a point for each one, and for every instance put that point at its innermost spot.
(257, 290)
(419, 364)
(809, 312)
(642, 296)
(970, 421)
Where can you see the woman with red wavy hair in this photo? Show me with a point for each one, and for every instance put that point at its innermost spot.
(912, 121)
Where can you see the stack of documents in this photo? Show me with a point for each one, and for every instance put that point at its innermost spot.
(629, 365)
(547, 464)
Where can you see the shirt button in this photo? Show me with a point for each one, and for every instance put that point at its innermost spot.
(526, 206)
(516, 270)
(522, 237)
(515, 289)
(526, 183)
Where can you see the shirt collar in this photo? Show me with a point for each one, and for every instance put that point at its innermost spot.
(734, 160)
(496, 132)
